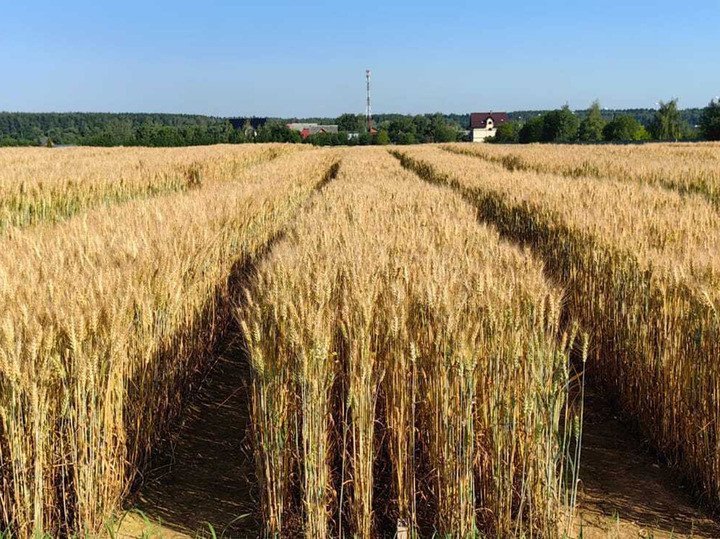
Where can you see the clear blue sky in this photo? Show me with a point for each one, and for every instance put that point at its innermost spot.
(306, 58)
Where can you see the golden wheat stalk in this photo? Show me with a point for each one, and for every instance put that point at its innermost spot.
(442, 334)
(641, 268)
(106, 319)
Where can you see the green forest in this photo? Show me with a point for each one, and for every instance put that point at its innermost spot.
(163, 130)
(108, 129)
(667, 123)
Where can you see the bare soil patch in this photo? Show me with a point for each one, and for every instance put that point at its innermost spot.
(626, 491)
(205, 476)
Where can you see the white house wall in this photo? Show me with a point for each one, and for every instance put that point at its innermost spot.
(479, 135)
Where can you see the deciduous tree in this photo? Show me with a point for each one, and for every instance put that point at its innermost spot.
(352, 123)
(625, 128)
(532, 130)
(591, 127)
(560, 126)
(710, 121)
(382, 137)
(667, 123)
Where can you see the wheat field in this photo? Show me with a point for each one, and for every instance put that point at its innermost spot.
(35, 190)
(641, 269)
(105, 317)
(417, 325)
(683, 167)
(392, 302)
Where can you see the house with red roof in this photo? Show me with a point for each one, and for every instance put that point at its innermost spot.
(484, 125)
(307, 129)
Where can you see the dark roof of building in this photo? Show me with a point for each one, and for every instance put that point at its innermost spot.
(478, 120)
(313, 128)
(323, 129)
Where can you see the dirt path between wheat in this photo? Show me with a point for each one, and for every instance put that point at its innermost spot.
(206, 477)
(626, 491)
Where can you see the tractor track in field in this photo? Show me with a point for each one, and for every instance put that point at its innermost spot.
(205, 477)
(202, 482)
(626, 490)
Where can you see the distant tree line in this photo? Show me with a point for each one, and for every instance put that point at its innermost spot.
(691, 116)
(106, 129)
(163, 130)
(562, 125)
(667, 123)
(353, 131)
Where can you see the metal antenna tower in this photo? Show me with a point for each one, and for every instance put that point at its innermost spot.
(368, 110)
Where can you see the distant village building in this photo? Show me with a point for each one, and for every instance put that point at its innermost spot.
(484, 125)
(307, 129)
